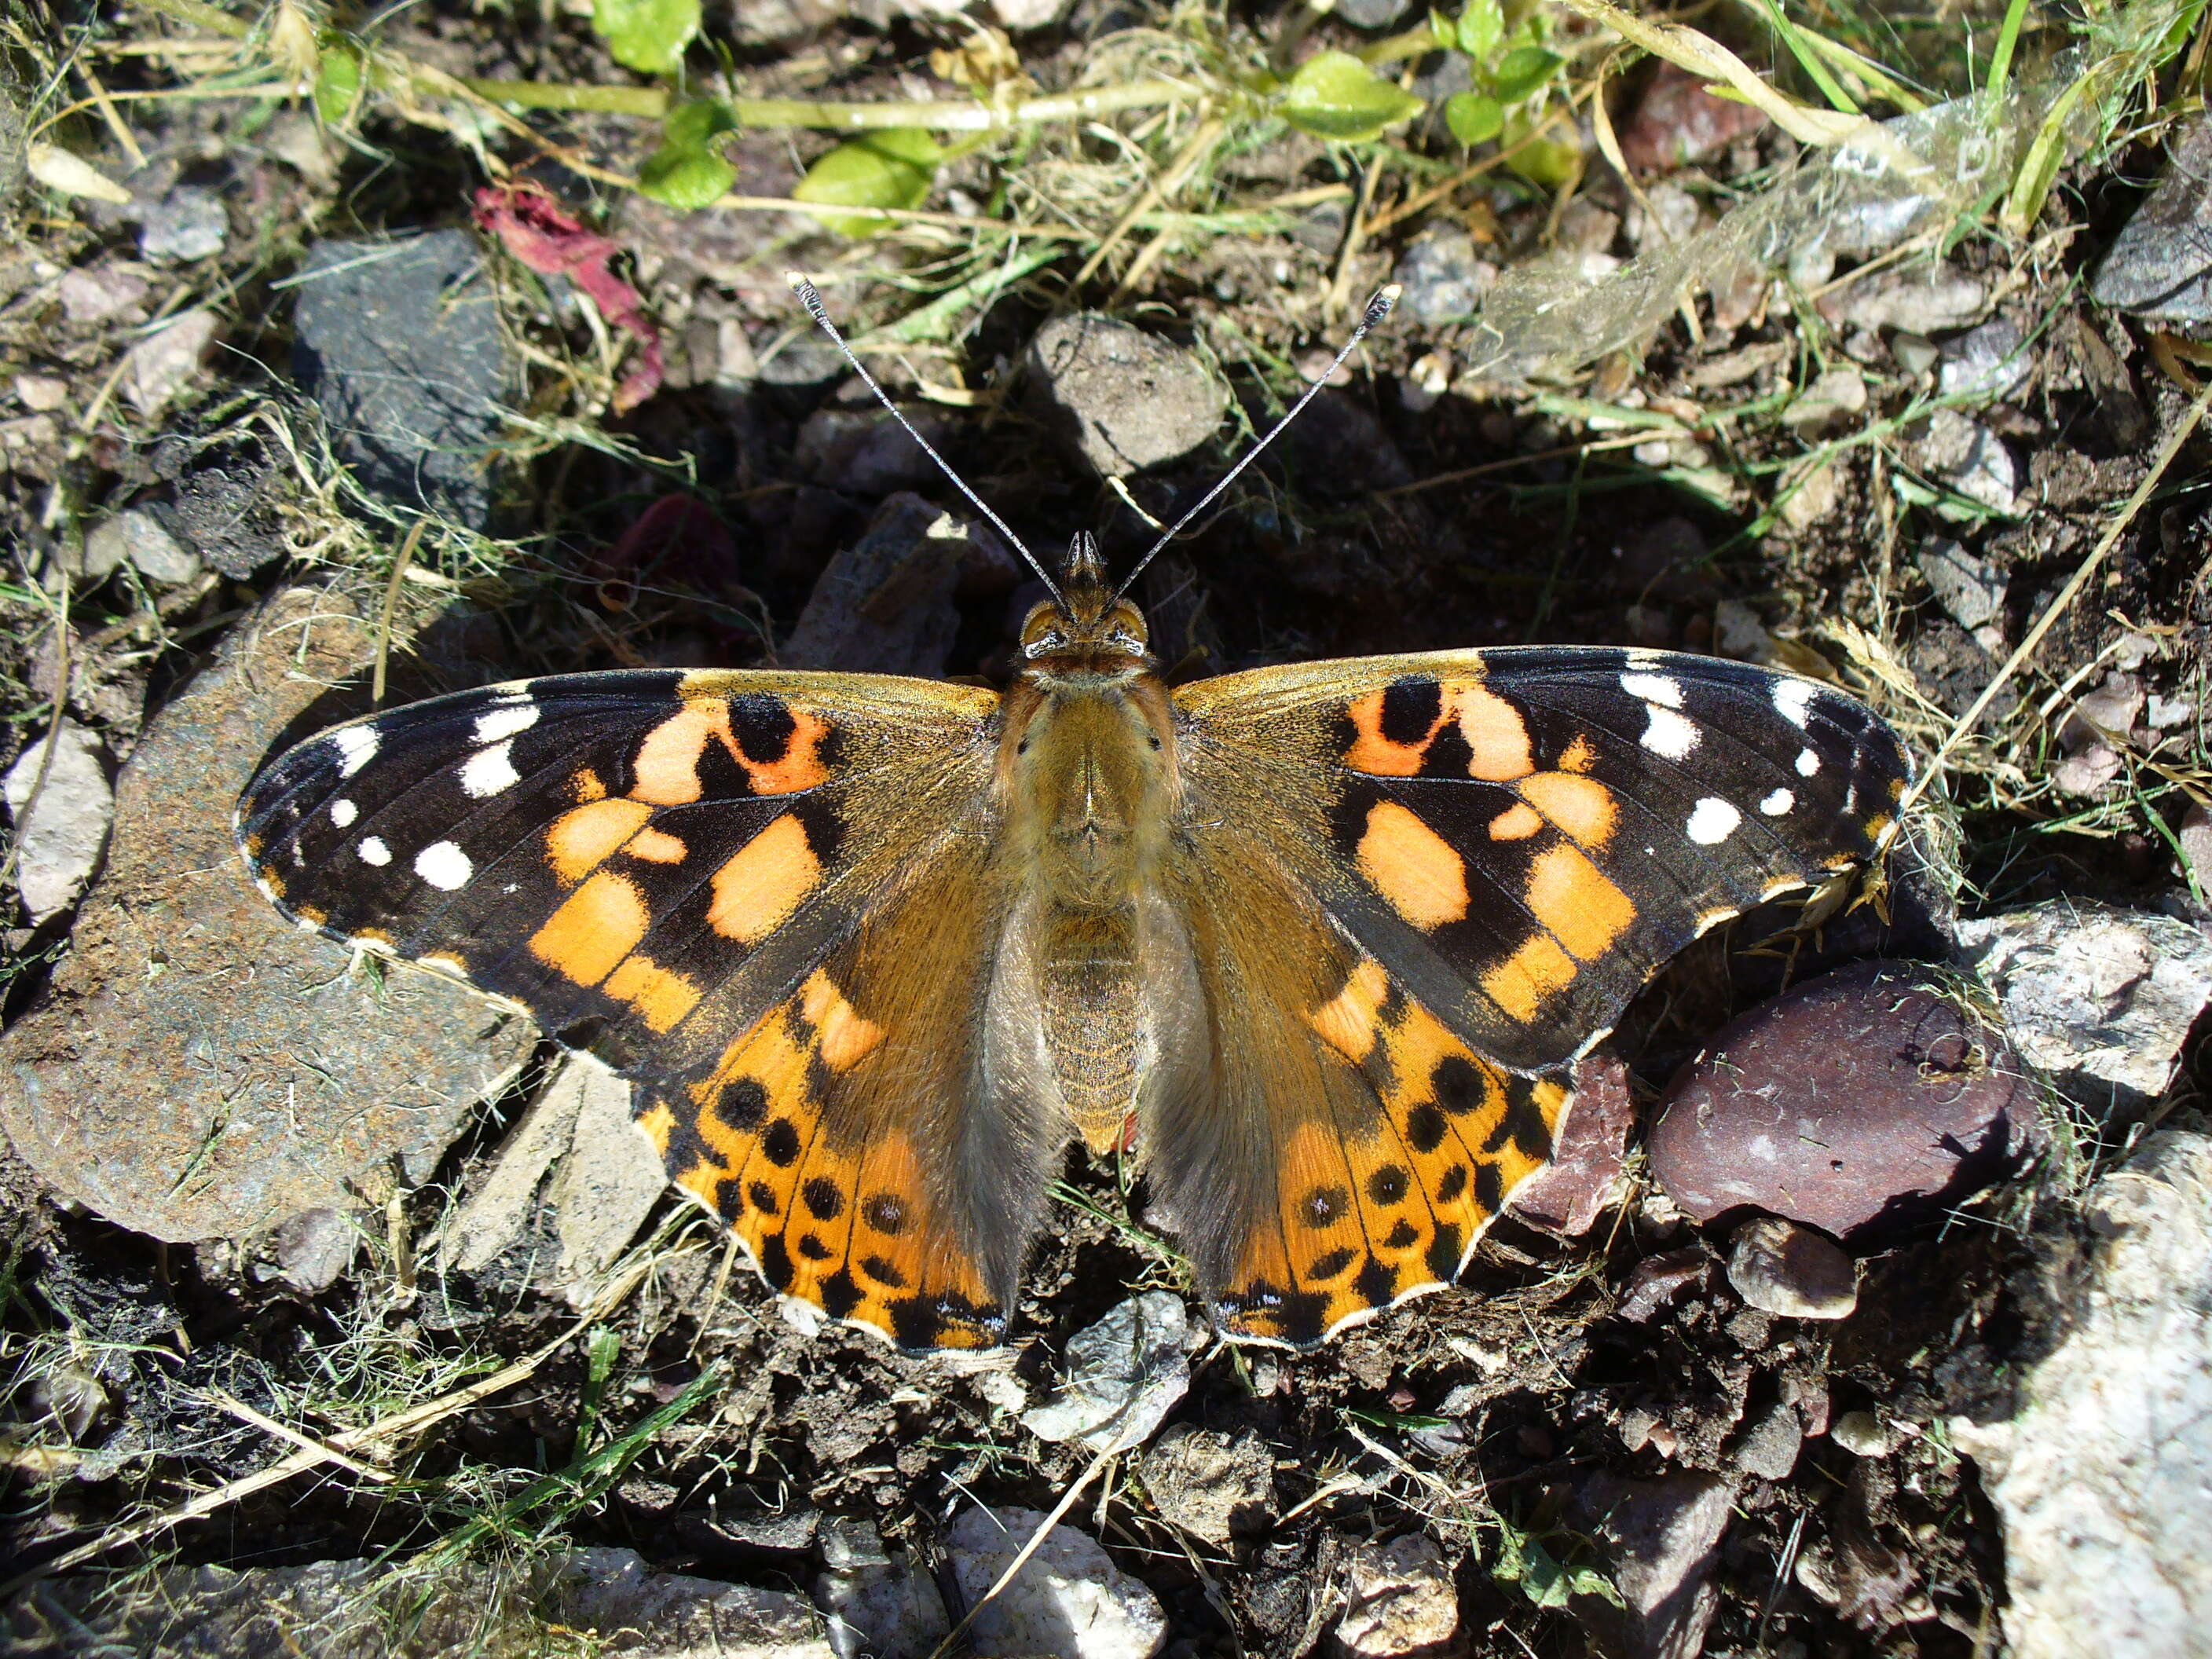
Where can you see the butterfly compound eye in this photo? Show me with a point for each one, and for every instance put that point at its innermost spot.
(1044, 630)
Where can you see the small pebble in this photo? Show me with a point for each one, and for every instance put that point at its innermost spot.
(1124, 1373)
(1781, 1269)
(1657, 1282)
(1973, 461)
(189, 223)
(42, 394)
(1769, 1446)
(1402, 1599)
(1211, 1483)
(1861, 1434)
(1987, 363)
(61, 823)
(1970, 588)
(1124, 399)
(137, 538)
(1068, 1600)
(1677, 123)
(160, 365)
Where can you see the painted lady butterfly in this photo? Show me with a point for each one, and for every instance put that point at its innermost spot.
(1314, 940)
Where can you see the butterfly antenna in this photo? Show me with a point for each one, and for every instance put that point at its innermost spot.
(1377, 309)
(811, 297)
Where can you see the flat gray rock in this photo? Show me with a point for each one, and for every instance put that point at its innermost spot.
(62, 809)
(398, 343)
(198, 1068)
(2101, 1473)
(2160, 266)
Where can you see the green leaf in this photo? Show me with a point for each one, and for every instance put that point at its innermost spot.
(1523, 70)
(1547, 162)
(1481, 27)
(646, 35)
(1443, 32)
(1334, 95)
(1474, 118)
(337, 81)
(892, 168)
(687, 172)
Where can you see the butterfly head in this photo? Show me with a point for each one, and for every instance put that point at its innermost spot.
(1086, 628)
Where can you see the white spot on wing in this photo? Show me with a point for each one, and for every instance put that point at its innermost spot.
(1777, 803)
(489, 770)
(1654, 687)
(1807, 763)
(344, 813)
(505, 721)
(1794, 698)
(356, 746)
(444, 865)
(374, 851)
(1712, 821)
(1669, 734)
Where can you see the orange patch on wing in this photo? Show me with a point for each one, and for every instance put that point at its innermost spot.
(370, 936)
(1373, 753)
(596, 927)
(1516, 823)
(756, 889)
(1572, 896)
(254, 843)
(1496, 734)
(841, 1035)
(660, 995)
(315, 914)
(1347, 1021)
(656, 846)
(1580, 756)
(1413, 868)
(659, 1123)
(1582, 807)
(582, 838)
(584, 784)
(1524, 980)
(272, 880)
(667, 770)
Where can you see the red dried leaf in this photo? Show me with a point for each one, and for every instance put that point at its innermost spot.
(531, 227)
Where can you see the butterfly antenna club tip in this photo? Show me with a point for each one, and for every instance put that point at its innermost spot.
(811, 297)
(1377, 309)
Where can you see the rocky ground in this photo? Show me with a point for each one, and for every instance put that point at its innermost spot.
(1868, 1308)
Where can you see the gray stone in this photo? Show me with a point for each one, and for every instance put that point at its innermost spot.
(2098, 998)
(1769, 1443)
(1210, 1483)
(1970, 459)
(864, 451)
(872, 1604)
(1124, 1373)
(198, 1068)
(1918, 300)
(1825, 404)
(1663, 1537)
(164, 362)
(885, 605)
(1401, 1599)
(137, 538)
(348, 1610)
(2195, 835)
(1443, 276)
(1371, 13)
(398, 343)
(2101, 1472)
(60, 832)
(1124, 399)
(92, 295)
(1069, 1600)
(608, 1182)
(189, 223)
(2160, 266)
(1657, 1282)
(498, 1207)
(1987, 363)
(1783, 1268)
(314, 1247)
(1971, 589)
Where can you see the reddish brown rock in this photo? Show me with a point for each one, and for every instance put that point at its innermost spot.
(1677, 122)
(1872, 1094)
(1566, 1197)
